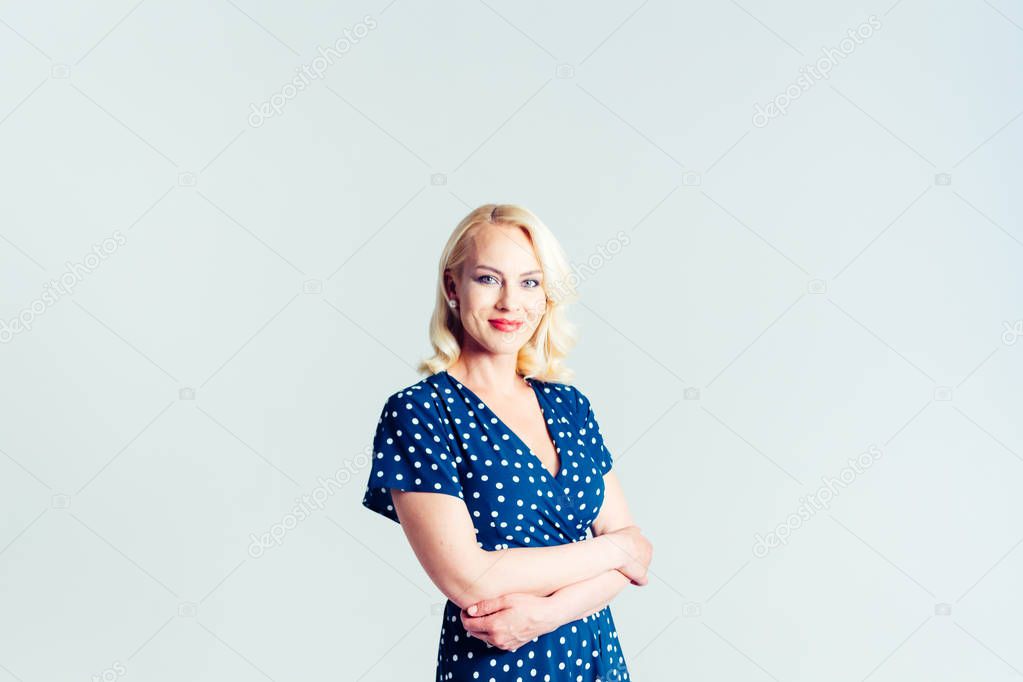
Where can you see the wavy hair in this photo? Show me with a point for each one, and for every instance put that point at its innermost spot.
(543, 356)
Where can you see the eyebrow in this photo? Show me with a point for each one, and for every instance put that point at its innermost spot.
(531, 272)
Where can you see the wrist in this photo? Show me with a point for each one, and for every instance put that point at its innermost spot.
(554, 611)
(617, 555)
(611, 556)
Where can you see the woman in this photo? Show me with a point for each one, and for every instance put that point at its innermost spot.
(519, 463)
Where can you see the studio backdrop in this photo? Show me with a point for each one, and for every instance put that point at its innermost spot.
(797, 234)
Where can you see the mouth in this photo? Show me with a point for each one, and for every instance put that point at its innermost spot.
(505, 325)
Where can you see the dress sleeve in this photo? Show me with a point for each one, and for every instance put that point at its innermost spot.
(589, 433)
(410, 453)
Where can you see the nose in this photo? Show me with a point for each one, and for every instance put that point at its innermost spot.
(507, 298)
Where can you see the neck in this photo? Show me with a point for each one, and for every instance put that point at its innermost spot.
(491, 374)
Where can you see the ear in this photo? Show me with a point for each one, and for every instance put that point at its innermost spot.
(449, 283)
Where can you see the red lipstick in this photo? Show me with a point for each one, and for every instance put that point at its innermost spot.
(505, 325)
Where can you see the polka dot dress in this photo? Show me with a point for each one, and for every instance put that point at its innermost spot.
(438, 436)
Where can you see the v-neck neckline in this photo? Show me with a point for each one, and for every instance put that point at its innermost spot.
(543, 412)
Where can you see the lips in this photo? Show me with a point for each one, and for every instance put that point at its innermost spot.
(505, 325)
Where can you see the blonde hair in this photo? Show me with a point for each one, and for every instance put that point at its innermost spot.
(543, 356)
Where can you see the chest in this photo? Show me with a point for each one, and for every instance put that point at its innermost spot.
(525, 419)
(526, 480)
(531, 427)
(514, 501)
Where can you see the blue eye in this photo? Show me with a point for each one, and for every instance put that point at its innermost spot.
(484, 279)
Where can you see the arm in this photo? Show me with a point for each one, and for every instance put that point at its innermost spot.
(590, 596)
(442, 535)
(511, 620)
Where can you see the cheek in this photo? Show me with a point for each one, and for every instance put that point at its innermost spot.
(481, 308)
(537, 308)
(479, 296)
(470, 305)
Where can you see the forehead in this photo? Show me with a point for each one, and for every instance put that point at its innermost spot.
(505, 247)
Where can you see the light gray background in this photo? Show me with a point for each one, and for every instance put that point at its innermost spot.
(790, 295)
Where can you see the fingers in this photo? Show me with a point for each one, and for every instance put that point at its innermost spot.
(485, 607)
(638, 579)
(479, 624)
(636, 571)
(478, 632)
(497, 642)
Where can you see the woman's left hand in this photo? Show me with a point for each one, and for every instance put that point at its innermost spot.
(511, 620)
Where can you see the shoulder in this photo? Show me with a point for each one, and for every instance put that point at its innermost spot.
(569, 396)
(423, 398)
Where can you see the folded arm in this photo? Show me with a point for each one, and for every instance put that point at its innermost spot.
(513, 619)
(589, 596)
(442, 535)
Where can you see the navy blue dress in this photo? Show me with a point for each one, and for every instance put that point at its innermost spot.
(438, 436)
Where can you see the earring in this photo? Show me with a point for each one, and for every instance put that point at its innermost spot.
(452, 302)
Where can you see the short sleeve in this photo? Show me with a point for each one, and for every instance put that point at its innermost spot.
(410, 452)
(589, 433)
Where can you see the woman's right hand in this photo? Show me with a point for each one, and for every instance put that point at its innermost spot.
(636, 552)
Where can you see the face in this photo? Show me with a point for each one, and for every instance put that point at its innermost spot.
(500, 293)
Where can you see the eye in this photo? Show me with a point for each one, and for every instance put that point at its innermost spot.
(536, 283)
(481, 279)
